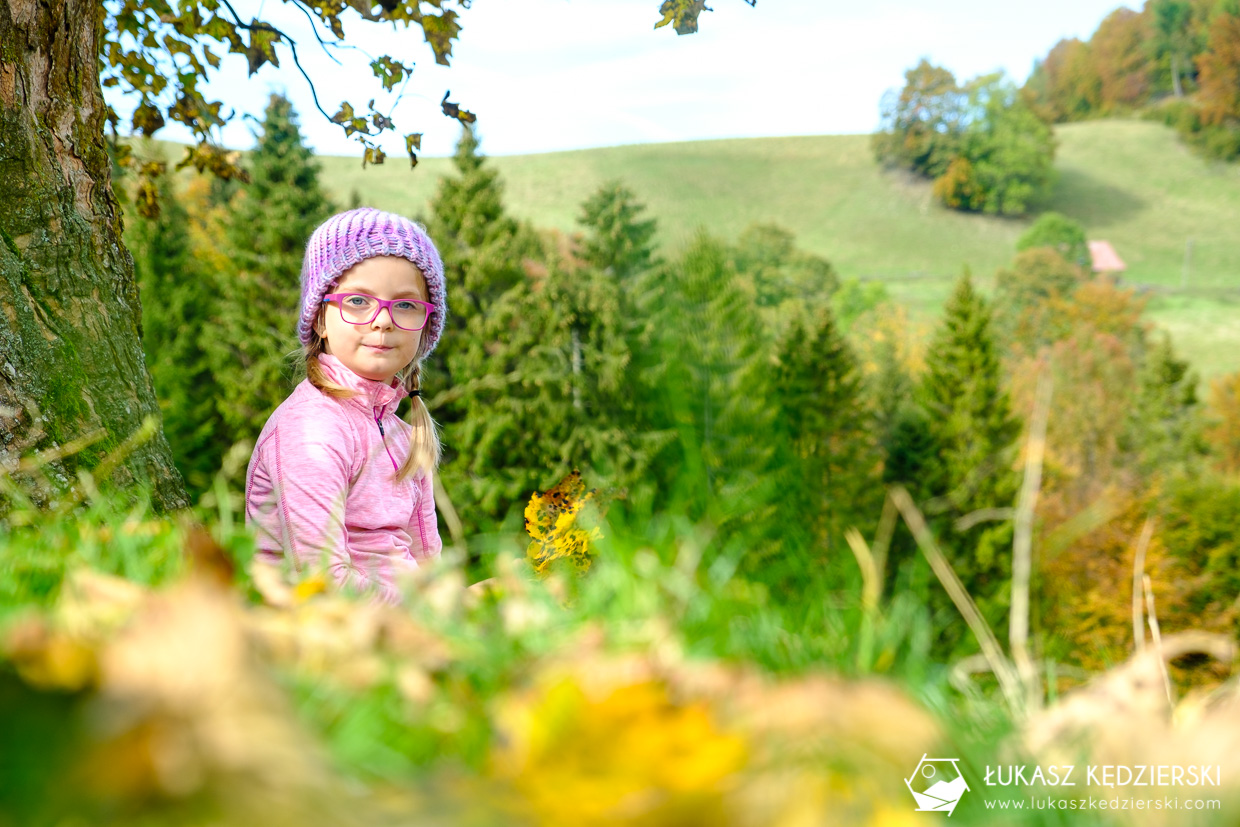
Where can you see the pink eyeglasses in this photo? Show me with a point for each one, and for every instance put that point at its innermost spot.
(359, 308)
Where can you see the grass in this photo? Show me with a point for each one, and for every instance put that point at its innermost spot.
(1130, 182)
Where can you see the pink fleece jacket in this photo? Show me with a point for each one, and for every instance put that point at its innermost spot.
(317, 454)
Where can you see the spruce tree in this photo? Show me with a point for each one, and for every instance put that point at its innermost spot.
(619, 242)
(710, 387)
(834, 456)
(268, 225)
(176, 293)
(618, 246)
(974, 433)
(484, 252)
(1164, 431)
(504, 357)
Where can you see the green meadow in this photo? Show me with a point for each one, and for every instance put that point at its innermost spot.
(1171, 215)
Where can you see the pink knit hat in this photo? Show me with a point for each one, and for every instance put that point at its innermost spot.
(349, 237)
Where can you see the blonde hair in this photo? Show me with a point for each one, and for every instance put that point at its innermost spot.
(424, 448)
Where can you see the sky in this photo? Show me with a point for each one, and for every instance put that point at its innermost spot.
(548, 75)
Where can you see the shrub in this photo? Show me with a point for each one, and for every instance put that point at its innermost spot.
(1060, 233)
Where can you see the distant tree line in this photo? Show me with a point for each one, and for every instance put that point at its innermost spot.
(1175, 60)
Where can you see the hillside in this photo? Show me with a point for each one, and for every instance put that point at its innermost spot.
(1130, 182)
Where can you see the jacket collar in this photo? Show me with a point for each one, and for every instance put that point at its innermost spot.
(372, 394)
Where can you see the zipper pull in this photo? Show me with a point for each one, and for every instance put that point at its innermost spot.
(380, 424)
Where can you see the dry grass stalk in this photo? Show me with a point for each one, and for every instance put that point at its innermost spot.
(1008, 679)
(871, 581)
(1022, 542)
(1138, 572)
(882, 538)
(1156, 635)
(443, 504)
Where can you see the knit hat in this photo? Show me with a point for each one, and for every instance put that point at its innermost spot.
(350, 237)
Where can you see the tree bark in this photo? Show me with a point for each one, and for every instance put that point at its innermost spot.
(70, 332)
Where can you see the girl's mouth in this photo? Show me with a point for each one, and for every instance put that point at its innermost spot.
(378, 348)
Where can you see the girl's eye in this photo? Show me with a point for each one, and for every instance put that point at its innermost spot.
(405, 306)
(356, 301)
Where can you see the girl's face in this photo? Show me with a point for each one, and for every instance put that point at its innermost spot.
(377, 350)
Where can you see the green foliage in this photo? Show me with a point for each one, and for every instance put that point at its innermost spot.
(115, 532)
(178, 294)
(1060, 233)
(37, 557)
(267, 225)
(1009, 147)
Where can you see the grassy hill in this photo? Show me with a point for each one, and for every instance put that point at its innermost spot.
(1130, 182)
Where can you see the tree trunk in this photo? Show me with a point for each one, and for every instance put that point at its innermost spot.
(1175, 76)
(70, 332)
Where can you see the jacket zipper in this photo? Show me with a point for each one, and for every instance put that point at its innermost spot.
(379, 416)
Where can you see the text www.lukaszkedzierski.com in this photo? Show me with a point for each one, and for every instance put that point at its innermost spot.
(1092, 803)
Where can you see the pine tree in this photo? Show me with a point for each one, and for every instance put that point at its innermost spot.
(974, 433)
(266, 232)
(176, 293)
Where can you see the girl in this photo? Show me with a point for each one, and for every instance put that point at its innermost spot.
(336, 477)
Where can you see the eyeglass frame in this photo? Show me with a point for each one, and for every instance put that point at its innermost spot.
(328, 298)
